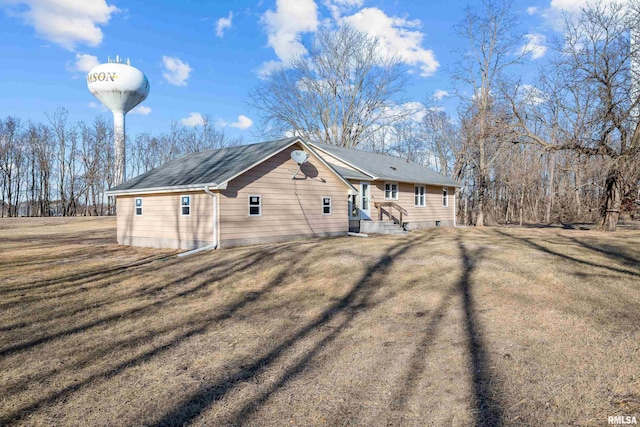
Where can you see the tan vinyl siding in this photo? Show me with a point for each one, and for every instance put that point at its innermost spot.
(289, 207)
(432, 211)
(161, 219)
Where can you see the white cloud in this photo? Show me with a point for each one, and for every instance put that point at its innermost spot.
(532, 10)
(398, 37)
(176, 72)
(223, 24)
(84, 63)
(97, 106)
(338, 7)
(411, 111)
(554, 13)
(141, 110)
(576, 5)
(285, 26)
(568, 5)
(532, 95)
(439, 94)
(534, 46)
(194, 119)
(242, 123)
(267, 67)
(348, 3)
(66, 22)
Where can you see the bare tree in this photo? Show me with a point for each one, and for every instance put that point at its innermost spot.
(339, 93)
(442, 137)
(11, 159)
(597, 101)
(59, 125)
(94, 142)
(492, 42)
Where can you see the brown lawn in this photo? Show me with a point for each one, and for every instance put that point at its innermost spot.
(501, 326)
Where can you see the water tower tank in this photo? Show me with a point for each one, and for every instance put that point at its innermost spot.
(120, 87)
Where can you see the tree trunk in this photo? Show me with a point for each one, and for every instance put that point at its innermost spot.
(550, 188)
(577, 191)
(521, 206)
(482, 193)
(610, 209)
(506, 215)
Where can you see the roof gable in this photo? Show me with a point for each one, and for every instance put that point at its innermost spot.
(205, 168)
(210, 168)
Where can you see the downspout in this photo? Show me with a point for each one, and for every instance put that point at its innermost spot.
(455, 195)
(214, 245)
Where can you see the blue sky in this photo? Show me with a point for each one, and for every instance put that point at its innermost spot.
(204, 57)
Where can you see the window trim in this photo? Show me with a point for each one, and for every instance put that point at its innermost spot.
(445, 197)
(330, 205)
(390, 184)
(182, 206)
(424, 196)
(259, 205)
(135, 206)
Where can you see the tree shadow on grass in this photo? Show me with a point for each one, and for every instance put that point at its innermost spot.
(194, 327)
(138, 270)
(408, 382)
(488, 410)
(229, 270)
(611, 252)
(85, 275)
(342, 311)
(568, 257)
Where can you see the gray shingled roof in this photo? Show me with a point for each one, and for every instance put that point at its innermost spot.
(349, 174)
(386, 167)
(208, 167)
(219, 166)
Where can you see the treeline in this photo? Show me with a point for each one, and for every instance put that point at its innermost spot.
(525, 183)
(560, 147)
(63, 168)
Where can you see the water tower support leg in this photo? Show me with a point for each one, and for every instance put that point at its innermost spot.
(119, 141)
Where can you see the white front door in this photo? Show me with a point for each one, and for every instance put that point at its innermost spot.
(364, 200)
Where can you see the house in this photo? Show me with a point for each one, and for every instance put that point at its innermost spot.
(257, 194)
(392, 189)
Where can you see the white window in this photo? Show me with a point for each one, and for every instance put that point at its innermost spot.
(326, 206)
(255, 205)
(391, 191)
(185, 205)
(139, 206)
(445, 199)
(419, 196)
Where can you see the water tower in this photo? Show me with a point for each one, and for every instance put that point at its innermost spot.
(120, 87)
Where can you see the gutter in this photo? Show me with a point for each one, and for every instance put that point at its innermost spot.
(216, 226)
(168, 189)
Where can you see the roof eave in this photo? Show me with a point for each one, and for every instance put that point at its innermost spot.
(409, 181)
(167, 189)
(373, 177)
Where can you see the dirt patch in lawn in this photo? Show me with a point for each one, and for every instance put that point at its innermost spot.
(499, 326)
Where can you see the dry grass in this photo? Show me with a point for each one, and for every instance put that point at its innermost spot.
(444, 327)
